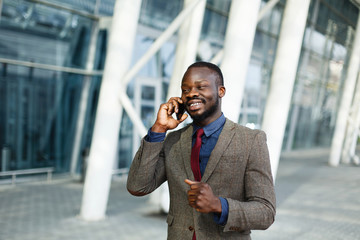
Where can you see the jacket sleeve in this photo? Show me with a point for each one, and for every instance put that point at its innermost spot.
(147, 171)
(258, 209)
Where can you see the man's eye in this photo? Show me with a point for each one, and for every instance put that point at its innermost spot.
(185, 90)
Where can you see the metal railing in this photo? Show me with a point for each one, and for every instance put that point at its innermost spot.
(14, 173)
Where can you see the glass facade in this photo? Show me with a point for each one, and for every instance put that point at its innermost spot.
(39, 97)
(44, 46)
(260, 66)
(321, 73)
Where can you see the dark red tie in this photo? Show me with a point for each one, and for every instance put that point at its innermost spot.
(195, 152)
(195, 165)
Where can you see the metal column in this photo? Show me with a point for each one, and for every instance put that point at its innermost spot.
(84, 98)
(283, 76)
(1, 4)
(238, 44)
(85, 92)
(345, 104)
(109, 110)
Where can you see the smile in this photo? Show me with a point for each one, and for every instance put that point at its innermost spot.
(194, 104)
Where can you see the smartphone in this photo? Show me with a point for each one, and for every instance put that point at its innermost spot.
(181, 111)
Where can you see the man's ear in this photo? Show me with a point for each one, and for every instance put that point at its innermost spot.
(222, 91)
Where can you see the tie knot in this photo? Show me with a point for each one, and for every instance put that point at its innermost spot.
(199, 132)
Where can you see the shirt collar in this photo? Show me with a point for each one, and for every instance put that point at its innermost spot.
(212, 127)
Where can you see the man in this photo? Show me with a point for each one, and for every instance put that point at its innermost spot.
(218, 172)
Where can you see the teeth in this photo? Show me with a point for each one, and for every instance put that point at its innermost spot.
(195, 104)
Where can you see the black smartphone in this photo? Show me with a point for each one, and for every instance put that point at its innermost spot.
(181, 111)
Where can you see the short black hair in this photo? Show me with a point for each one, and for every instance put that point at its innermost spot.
(211, 66)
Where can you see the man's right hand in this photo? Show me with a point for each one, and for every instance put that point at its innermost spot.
(165, 120)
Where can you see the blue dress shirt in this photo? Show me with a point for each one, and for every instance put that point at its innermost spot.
(208, 141)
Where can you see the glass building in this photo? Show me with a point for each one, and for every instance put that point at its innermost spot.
(50, 51)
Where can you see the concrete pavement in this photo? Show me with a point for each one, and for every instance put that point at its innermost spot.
(314, 202)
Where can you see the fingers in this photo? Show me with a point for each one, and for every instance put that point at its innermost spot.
(183, 117)
(201, 197)
(193, 193)
(193, 184)
(173, 105)
(195, 200)
(165, 120)
(189, 182)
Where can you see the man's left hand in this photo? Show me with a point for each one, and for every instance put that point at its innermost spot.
(202, 198)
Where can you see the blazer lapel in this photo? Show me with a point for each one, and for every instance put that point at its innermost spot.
(223, 142)
(186, 144)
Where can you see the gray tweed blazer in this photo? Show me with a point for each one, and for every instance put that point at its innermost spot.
(238, 170)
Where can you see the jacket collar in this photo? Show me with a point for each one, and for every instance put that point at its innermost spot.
(223, 142)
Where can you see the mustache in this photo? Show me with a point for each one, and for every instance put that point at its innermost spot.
(195, 98)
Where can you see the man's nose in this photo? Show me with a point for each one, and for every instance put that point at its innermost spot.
(193, 92)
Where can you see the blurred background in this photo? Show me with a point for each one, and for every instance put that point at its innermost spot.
(296, 77)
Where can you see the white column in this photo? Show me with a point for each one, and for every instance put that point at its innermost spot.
(283, 76)
(188, 40)
(264, 10)
(238, 44)
(352, 127)
(355, 158)
(294, 117)
(189, 35)
(345, 104)
(108, 116)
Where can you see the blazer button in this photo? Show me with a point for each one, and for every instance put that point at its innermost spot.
(191, 228)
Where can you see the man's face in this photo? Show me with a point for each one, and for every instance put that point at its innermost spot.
(201, 94)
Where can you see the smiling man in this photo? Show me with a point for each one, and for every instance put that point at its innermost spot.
(218, 172)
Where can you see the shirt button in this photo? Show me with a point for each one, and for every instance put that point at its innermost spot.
(191, 228)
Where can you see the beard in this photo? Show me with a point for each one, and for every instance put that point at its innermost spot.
(206, 113)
